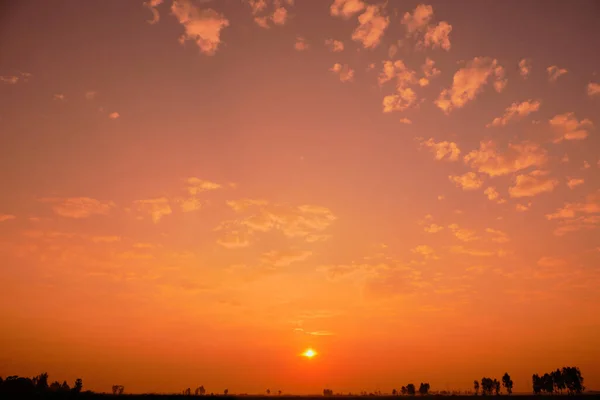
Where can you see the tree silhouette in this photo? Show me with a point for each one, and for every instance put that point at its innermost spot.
(118, 389)
(200, 391)
(41, 382)
(327, 392)
(496, 386)
(55, 386)
(268, 391)
(394, 392)
(410, 389)
(78, 386)
(559, 380)
(403, 390)
(573, 380)
(225, 392)
(424, 388)
(537, 383)
(507, 383)
(65, 387)
(476, 387)
(279, 392)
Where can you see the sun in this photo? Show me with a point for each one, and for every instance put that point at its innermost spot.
(309, 353)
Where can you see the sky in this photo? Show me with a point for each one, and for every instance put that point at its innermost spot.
(195, 192)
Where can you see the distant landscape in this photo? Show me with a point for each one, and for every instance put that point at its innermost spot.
(562, 381)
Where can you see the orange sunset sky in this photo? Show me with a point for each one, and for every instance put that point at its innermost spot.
(195, 192)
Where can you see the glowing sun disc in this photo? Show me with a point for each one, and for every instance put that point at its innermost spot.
(309, 353)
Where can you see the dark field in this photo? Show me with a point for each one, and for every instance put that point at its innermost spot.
(588, 396)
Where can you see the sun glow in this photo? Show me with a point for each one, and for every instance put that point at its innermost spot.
(309, 353)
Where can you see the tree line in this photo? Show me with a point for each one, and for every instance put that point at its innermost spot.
(562, 380)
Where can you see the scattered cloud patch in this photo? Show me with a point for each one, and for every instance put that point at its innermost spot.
(488, 160)
(493, 195)
(14, 79)
(346, 8)
(554, 73)
(468, 82)
(301, 44)
(6, 217)
(525, 67)
(285, 258)
(593, 89)
(467, 181)
(433, 228)
(335, 46)
(532, 184)
(152, 5)
(574, 182)
(516, 111)
(498, 236)
(203, 27)
(405, 121)
(523, 207)
(90, 95)
(78, 207)
(372, 24)
(442, 150)
(568, 127)
(157, 208)
(344, 72)
(462, 234)
(429, 72)
(114, 115)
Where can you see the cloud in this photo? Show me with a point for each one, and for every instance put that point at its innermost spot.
(499, 236)
(344, 72)
(303, 221)
(372, 25)
(59, 97)
(429, 72)
(301, 44)
(405, 121)
(568, 127)
(156, 207)
(152, 4)
(593, 89)
(14, 79)
(197, 185)
(201, 26)
(106, 239)
(285, 258)
(573, 182)
(418, 23)
(476, 253)
(467, 181)
(465, 235)
(6, 217)
(550, 262)
(90, 95)
(278, 14)
(346, 8)
(189, 205)
(468, 82)
(234, 240)
(425, 251)
(554, 73)
(523, 207)
(78, 207)
(437, 36)
(397, 69)
(591, 205)
(525, 67)
(334, 45)
(315, 333)
(433, 228)
(516, 111)
(419, 20)
(517, 157)
(534, 183)
(442, 149)
(403, 100)
(586, 165)
(493, 195)
(114, 115)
